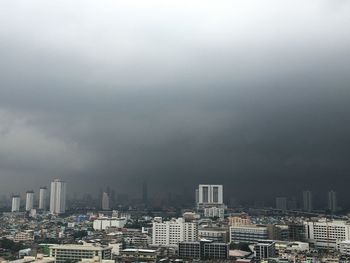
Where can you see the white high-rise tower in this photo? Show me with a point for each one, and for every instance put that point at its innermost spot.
(29, 200)
(43, 198)
(58, 197)
(16, 203)
(105, 201)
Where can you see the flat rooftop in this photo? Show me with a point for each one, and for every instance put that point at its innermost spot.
(79, 247)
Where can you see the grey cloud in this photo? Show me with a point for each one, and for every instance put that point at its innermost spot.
(242, 92)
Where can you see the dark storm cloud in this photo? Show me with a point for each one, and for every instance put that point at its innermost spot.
(244, 93)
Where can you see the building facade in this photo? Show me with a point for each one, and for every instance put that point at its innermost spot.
(326, 233)
(204, 249)
(105, 201)
(210, 194)
(43, 198)
(332, 201)
(248, 234)
(29, 200)
(307, 201)
(16, 203)
(74, 253)
(171, 233)
(264, 249)
(58, 197)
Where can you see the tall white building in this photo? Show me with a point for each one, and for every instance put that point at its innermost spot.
(105, 201)
(29, 200)
(43, 198)
(307, 201)
(332, 201)
(58, 197)
(210, 194)
(170, 233)
(16, 203)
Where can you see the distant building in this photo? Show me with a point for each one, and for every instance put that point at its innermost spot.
(210, 194)
(204, 249)
(24, 236)
(29, 200)
(239, 220)
(264, 249)
(217, 234)
(214, 212)
(210, 201)
(104, 223)
(58, 197)
(171, 233)
(307, 201)
(16, 203)
(332, 201)
(248, 234)
(281, 203)
(105, 201)
(43, 198)
(74, 253)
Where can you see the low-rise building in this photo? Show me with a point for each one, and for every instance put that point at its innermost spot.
(63, 253)
(248, 234)
(218, 234)
(104, 223)
(136, 255)
(204, 249)
(264, 249)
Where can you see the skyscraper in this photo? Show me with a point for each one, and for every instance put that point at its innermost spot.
(58, 197)
(332, 201)
(105, 201)
(281, 203)
(16, 203)
(210, 194)
(29, 200)
(43, 198)
(307, 201)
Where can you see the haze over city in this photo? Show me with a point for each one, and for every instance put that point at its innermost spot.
(253, 95)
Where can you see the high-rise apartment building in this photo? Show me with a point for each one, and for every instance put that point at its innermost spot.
(281, 203)
(307, 201)
(29, 200)
(171, 233)
(105, 201)
(332, 201)
(16, 203)
(43, 198)
(210, 194)
(58, 197)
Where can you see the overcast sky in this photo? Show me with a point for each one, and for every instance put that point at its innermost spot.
(251, 94)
